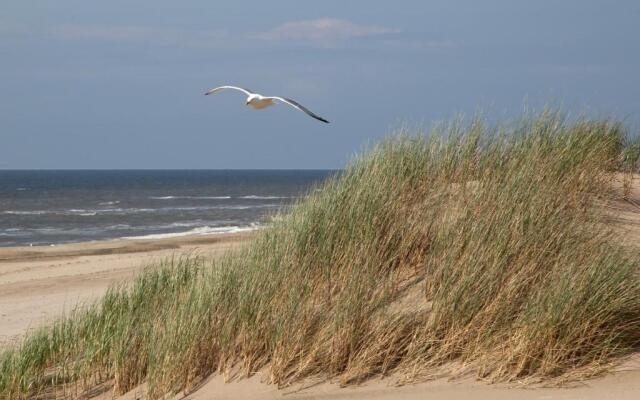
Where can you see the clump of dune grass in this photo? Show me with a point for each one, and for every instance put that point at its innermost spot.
(467, 248)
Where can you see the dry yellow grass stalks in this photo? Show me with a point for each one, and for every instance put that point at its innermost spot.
(470, 246)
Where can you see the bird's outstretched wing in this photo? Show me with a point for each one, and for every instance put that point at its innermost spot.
(300, 107)
(221, 88)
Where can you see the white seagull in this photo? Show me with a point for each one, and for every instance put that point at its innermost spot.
(259, 101)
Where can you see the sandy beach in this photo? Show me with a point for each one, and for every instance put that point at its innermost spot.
(39, 283)
(320, 200)
(624, 384)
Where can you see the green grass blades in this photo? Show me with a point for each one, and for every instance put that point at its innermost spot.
(468, 245)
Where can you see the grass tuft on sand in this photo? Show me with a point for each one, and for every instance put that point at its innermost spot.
(470, 248)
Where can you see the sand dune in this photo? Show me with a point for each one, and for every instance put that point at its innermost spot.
(623, 384)
(36, 284)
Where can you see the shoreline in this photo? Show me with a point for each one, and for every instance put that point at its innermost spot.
(115, 246)
(40, 283)
(196, 231)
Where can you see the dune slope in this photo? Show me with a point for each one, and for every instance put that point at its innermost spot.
(469, 250)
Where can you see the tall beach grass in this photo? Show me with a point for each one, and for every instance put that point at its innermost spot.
(469, 248)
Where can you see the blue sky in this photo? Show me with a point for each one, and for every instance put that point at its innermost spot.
(119, 84)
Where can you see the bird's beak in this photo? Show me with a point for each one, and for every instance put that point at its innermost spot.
(206, 93)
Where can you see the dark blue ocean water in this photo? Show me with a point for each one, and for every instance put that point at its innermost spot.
(50, 207)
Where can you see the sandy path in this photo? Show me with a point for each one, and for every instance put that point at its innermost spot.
(39, 283)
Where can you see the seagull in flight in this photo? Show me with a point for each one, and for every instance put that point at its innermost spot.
(259, 101)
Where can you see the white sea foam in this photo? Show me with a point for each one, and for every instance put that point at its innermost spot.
(35, 212)
(190, 197)
(125, 210)
(82, 213)
(117, 227)
(109, 203)
(256, 197)
(93, 212)
(43, 212)
(200, 231)
(184, 224)
(247, 197)
(225, 207)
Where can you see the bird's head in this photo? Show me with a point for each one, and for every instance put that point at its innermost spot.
(250, 99)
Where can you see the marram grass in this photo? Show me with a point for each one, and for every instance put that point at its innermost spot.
(465, 249)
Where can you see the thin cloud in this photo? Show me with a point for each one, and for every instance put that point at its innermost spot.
(317, 33)
(322, 31)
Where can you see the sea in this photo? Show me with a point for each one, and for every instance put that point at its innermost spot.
(50, 207)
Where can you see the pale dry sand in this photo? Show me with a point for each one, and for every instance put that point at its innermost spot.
(622, 385)
(39, 283)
